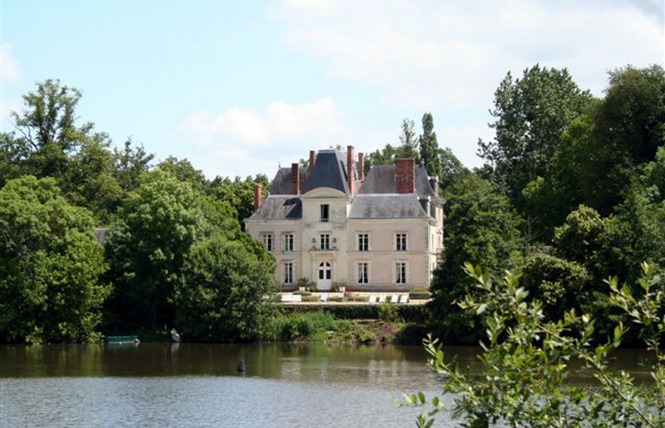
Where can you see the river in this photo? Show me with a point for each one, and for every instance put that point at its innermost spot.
(197, 385)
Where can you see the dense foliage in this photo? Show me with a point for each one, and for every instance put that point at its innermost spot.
(576, 195)
(51, 288)
(573, 190)
(169, 238)
(528, 361)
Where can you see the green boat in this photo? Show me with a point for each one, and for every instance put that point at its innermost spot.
(122, 340)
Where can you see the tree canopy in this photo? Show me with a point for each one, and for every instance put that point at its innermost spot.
(51, 265)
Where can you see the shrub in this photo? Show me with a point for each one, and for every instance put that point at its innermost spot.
(307, 325)
(420, 295)
(526, 362)
(387, 312)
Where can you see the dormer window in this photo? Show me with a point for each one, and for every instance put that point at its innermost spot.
(325, 213)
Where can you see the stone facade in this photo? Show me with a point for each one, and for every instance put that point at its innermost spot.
(331, 225)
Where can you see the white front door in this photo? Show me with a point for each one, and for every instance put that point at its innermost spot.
(325, 277)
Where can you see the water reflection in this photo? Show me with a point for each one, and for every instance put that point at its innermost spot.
(299, 362)
(285, 385)
(158, 385)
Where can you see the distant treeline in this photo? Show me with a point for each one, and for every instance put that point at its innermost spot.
(572, 192)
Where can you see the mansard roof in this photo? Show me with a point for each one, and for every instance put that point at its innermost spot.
(279, 207)
(381, 179)
(377, 197)
(377, 206)
(329, 171)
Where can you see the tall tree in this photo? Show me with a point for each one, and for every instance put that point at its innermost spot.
(531, 114)
(48, 126)
(482, 227)
(176, 255)
(237, 193)
(430, 153)
(130, 163)
(50, 266)
(90, 179)
(13, 155)
(408, 148)
(157, 225)
(185, 171)
(223, 297)
(630, 127)
(407, 136)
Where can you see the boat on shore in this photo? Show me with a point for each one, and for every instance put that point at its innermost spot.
(122, 340)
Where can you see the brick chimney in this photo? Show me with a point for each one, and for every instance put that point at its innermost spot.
(405, 175)
(258, 197)
(349, 169)
(295, 178)
(361, 166)
(312, 162)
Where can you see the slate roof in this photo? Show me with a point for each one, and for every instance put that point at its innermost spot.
(381, 179)
(279, 207)
(377, 206)
(377, 197)
(329, 171)
(282, 183)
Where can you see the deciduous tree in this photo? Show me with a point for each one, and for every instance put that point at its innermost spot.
(50, 266)
(531, 114)
(481, 227)
(430, 153)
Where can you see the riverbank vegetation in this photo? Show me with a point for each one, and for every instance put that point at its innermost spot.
(103, 239)
(528, 358)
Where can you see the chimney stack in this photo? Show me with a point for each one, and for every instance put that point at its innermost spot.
(312, 162)
(434, 183)
(361, 167)
(258, 197)
(405, 175)
(295, 178)
(349, 169)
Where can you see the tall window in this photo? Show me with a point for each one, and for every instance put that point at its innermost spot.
(400, 272)
(400, 241)
(288, 272)
(325, 271)
(325, 212)
(267, 241)
(288, 241)
(363, 273)
(363, 242)
(324, 241)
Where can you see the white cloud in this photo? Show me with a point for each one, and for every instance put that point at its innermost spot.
(447, 56)
(241, 142)
(10, 76)
(453, 54)
(10, 71)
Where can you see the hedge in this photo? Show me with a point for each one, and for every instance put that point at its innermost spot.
(407, 313)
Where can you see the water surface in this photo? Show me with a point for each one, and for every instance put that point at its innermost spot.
(195, 385)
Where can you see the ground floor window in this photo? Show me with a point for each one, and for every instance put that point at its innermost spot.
(363, 273)
(288, 272)
(325, 271)
(400, 272)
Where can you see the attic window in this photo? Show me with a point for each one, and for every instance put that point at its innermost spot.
(325, 212)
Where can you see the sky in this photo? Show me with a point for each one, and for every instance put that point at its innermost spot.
(241, 87)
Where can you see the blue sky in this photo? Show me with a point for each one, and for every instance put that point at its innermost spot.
(241, 87)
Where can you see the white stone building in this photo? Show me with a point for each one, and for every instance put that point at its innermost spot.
(330, 224)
